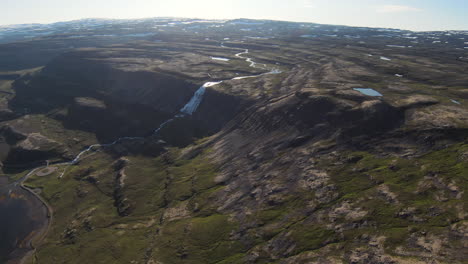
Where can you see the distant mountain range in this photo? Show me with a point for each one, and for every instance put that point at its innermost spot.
(10, 33)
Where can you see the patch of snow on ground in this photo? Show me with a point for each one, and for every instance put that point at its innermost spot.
(220, 59)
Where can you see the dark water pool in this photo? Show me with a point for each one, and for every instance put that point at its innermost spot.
(21, 216)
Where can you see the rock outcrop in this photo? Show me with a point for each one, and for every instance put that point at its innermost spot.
(122, 203)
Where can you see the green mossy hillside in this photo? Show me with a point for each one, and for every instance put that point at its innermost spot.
(86, 222)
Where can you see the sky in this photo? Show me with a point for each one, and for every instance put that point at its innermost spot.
(419, 15)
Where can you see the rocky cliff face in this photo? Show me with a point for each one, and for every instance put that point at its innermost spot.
(133, 81)
(23, 148)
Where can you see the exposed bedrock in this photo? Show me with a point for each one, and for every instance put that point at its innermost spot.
(34, 148)
(22, 148)
(314, 115)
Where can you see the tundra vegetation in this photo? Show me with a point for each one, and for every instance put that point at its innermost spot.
(289, 166)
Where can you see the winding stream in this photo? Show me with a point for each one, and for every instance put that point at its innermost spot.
(25, 216)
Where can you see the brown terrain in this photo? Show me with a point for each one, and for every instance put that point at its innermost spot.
(293, 166)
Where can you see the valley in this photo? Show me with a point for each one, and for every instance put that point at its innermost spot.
(232, 141)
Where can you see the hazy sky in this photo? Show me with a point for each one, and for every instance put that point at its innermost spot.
(409, 14)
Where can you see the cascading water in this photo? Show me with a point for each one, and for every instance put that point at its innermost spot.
(196, 99)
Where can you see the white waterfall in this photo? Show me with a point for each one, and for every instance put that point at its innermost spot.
(196, 99)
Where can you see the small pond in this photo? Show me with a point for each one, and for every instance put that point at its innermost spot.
(368, 91)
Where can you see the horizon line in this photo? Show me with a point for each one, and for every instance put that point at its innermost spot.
(226, 19)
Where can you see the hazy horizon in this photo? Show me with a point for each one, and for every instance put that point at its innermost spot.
(414, 15)
(220, 19)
